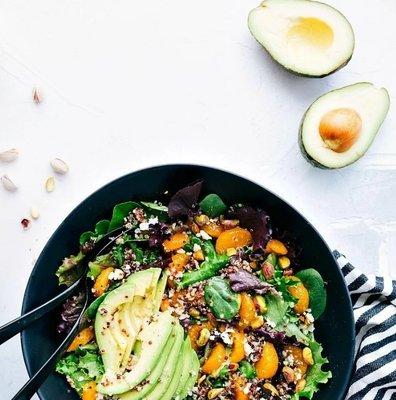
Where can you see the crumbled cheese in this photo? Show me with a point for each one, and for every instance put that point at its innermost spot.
(247, 348)
(204, 235)
(196, 247)
(226, 337)
(153, 221)
(144, 226)
(117, 275)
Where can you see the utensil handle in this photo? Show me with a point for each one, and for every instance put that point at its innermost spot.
(10, 329)
(33, 384)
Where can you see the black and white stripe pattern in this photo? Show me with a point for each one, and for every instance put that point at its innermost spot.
(374, 305)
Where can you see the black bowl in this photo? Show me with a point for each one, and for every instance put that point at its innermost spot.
(335, 329)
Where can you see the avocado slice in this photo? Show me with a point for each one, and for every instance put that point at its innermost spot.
(339, 127)
(313, 281)
(186, 367)
(159, 294)
(153, 336)
(167, 384)
(306, 37)
(193, 375)
(109, 347)
(152, 379)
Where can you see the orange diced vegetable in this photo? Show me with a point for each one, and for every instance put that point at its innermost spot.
(276, 246)
(298, 357)
(179, 261)
(247, 310)
(175, 242)
(213, 229)
(239, 388)
(233, 238)
(199, 255)
(267, 365)
(89, 391)
(84, 337)
(300, 292)
(102, 282)
(238, 349)
(215, 360)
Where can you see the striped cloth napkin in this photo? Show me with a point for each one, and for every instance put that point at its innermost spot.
(374, 307)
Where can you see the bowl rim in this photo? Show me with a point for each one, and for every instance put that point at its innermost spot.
(349, 368)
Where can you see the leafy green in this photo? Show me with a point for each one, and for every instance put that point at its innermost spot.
(120, 212)
(316, 375)
(222, 301)
(283, 320)
(313, 281)
(101, 262)
(154, 206)
(222, 377)
(101, 228)
(90, 312)
(210, 267)
(69, 272)
(212, 205)
(81, 366)
(247, 369)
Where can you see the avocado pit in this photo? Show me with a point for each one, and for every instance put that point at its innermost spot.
(340, 128)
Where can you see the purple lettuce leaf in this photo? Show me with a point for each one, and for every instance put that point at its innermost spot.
(256, 221)
(157, 234)
(272, 336)
(184, 201)
(242, 281)
(71, 309)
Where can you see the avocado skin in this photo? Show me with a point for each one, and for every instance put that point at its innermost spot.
(307, 75)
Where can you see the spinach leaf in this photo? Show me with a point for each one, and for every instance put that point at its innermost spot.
(90, 312)
(154, 206)
(101, 228)
(212, 205)
(210, 267)
(120, 212)
(222, 301)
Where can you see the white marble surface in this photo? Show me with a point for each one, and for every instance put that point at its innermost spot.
(131, 84)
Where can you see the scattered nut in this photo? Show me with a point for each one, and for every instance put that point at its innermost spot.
(8, 183)
(213, 393)
(37, 95)
(50, 184)
(257, 322)
(268, 270)
(9, 155)
(25, 223)
(289, 374)
(59, 166)
(284, 262)
(229, 223)
(202, 219)
(203, 337)
(194, 312)
(307, 355)
(231, 251)
(271, 389)
(34, 212)
(300, 385)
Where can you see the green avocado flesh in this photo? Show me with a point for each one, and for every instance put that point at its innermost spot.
(143, 350)
(365, 102)
(306, 37)
(317, 292)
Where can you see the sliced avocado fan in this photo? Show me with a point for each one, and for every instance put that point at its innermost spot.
(306, 37)
(340, 126)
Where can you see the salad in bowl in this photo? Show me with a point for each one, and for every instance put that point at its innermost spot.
(197, 299)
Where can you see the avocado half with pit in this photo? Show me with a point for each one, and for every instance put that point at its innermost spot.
(339, 127)
(306, 37)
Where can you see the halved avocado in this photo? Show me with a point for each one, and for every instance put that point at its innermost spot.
(185, 371)
(192, 375)
(306, 37)
(339, 127)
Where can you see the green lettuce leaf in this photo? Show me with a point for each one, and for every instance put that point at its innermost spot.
(68, 272)
(316, 375)
(101, 262)
(81, 366)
